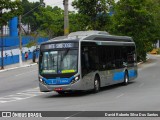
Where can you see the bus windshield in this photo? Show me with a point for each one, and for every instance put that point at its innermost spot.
(59, 62)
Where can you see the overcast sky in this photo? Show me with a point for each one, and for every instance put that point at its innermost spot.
(53, 3)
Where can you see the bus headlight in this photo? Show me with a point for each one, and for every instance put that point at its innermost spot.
(41, 79)
(75, 79)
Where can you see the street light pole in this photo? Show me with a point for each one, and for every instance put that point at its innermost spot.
(2, 65)
(66, 20)
(20, 41)
(1, 27)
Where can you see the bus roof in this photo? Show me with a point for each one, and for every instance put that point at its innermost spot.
(80, 34)
(91, 35)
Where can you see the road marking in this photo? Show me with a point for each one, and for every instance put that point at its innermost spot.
(120, 95)
(24, 73)
(73, 115)
(141, 85)
(21, 96)
(3, 101)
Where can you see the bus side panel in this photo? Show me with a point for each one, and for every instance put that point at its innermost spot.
(118, 76)
(132, 73)
(105, 77)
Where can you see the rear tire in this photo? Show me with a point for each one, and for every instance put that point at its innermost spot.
(96, 85)
(126, 79)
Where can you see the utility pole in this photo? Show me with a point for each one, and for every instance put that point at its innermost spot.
(2, 65)
(20, 41)
(20, 31)
(1, 27)
(66, 20)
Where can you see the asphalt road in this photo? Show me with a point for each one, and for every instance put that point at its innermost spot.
(19, 92)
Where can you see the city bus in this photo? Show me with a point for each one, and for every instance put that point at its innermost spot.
(86, 60)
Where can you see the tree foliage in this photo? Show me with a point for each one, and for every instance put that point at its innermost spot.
(77, 22)
(8, 10)
(153, 6)
(28, 17)
(133, 18)
(95, 12)
(51, 20)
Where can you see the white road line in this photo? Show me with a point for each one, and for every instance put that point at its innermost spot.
(24, 73)
(3, 101)
(21, 96)
(72, 115)
(119, 95)
(16, 98)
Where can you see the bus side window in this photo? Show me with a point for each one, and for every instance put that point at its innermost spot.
(110, 62)
(131, 58)
(85, 66)
(93, 58)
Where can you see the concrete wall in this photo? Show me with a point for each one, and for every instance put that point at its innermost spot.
(11, 49)
(13, 24)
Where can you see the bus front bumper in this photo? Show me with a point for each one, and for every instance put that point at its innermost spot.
(68, 87)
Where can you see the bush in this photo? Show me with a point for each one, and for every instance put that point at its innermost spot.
(158, 52)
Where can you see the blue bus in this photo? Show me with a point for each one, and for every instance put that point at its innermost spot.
(86, 60)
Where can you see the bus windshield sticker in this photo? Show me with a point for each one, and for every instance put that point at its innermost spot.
(48, 71)
(68, 71)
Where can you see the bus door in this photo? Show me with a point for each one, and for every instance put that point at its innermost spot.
(89, 65)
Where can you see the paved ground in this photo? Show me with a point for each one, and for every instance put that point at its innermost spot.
(19, 92)
(17, 65)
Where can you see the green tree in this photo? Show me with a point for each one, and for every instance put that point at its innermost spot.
(50, 21)
(77, 22)
(132, 18)
(153, 6)
(8, 10)
(28, 17)
(95, 12)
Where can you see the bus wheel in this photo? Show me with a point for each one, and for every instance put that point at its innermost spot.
(96, 85)
(126, 79)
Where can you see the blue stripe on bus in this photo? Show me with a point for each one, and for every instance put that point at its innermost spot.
(118, 76)
(132, 73)
(58, 81)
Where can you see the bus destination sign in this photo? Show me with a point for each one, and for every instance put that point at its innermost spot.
(60, 45)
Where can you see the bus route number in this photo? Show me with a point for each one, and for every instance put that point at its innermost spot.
(61, 45)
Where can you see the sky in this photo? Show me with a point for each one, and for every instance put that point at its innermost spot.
(58, 3)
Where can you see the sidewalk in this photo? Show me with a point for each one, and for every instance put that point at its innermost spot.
(17, 65)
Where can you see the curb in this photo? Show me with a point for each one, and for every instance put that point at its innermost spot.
(142, 62)
(139, 63)
(18, 67)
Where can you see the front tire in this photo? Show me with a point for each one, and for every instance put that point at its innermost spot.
(96, 85)
(126, 78)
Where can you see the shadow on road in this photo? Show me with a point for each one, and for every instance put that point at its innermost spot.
(115, 86)
(85, 93)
